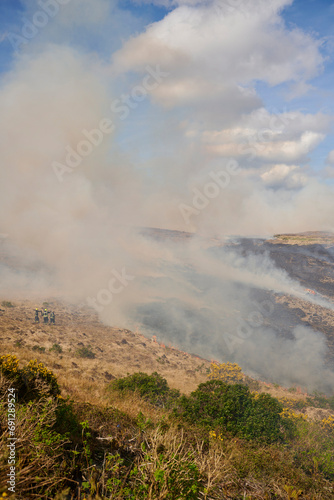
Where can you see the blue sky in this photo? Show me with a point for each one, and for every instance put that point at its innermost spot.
(313, 16)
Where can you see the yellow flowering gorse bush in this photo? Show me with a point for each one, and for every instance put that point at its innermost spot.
(227, 372)
(32, 379)
(289, 413)
(292, 403)
(9, 364)
(213, 435)
(39, 371)
(328, 423)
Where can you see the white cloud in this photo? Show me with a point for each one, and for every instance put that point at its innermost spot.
(284, 176)
(215, 46)
(284, 150)
(274, 137)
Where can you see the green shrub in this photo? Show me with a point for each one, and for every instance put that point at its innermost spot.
(153, 388)
(314, 449)
(7, 303)
(39, 380)
(56, 348)
(331, 402)
(320, 400)
(85, 352)
(40, 450)
(263, 420)
(234, 409)
(38, 348)
(32, 381)
(167, 467)
(216, 404)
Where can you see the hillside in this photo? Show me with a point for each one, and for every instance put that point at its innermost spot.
(120, 444)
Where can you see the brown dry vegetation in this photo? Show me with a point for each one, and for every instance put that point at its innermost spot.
(118, 352)
(306, 238)
(230, 468)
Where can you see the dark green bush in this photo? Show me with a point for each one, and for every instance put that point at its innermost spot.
(7, 303)
(56, 348)
(38, 381)
(263, 421)
(153, 388)
(67, 422)
(85, 352)
(234, 409)
(38, 348)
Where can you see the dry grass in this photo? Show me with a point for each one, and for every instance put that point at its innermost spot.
(118, 352)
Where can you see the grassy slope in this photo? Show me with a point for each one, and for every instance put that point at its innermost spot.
(235, 468)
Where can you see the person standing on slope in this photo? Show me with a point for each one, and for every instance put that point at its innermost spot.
(37, 315)
(46, 316)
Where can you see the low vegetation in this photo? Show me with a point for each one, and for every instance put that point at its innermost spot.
(153, 388)
(7, 303)
(220, 442)
(85, 352)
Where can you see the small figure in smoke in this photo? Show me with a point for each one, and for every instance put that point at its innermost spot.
(46, 316)
(52, 317)
(37, 315)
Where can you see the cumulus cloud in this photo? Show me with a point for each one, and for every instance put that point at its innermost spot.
(217, 48)
(284, 176)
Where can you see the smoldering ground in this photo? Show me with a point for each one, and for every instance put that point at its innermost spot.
(223, 306)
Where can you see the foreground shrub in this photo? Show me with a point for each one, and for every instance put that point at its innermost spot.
(40, 380)
(153, 388)
(263, 420)
(165, 466)
(43, 459)
(234, 409)
(32, 381)
(314, 448)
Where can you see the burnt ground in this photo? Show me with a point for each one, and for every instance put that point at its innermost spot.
(310, 264)
(307, 258)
